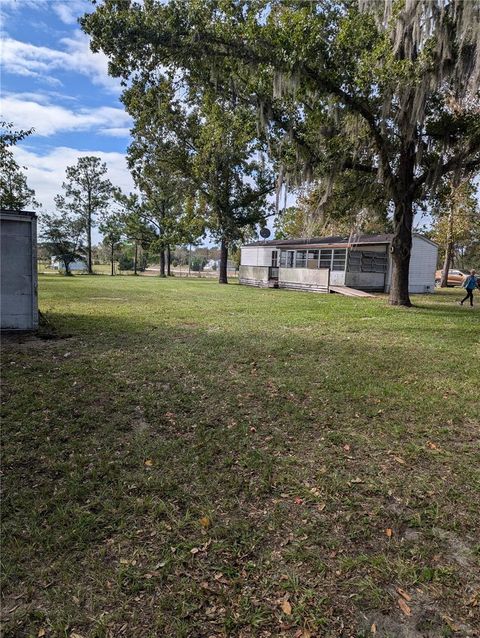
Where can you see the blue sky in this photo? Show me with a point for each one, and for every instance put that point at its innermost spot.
(50, 80)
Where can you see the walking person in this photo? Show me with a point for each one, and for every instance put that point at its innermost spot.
(469, 283)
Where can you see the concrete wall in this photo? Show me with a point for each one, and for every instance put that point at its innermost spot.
(256, 255)
(304, 279)
(253, 275)
(18, 272)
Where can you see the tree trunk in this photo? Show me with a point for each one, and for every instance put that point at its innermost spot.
(446, 264)
(169, 261)
(189, 258)
(222, 276)
(89, 245)
(135, 259)
(401, 249)
(162, 263)
(449, 247)
(112, 261)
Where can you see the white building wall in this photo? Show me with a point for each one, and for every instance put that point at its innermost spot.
(423, 264)
(304, 279)
(18, 272)
(256, 255)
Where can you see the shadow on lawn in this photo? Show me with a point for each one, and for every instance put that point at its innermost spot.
(296, 449)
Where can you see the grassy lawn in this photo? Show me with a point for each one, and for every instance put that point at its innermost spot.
(207, 461)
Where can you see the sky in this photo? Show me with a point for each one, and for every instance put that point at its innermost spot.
(51, 81)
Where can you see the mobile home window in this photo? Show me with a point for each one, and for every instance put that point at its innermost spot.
(290, 258)
(274, 258)
(325, 258)
(283, 258)
(339, 256)
(312, 259)
(301, 259)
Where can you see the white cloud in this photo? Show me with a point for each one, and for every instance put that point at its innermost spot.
(47, 118)
(46, 172)
(22, 58)
(69, 12)
(116, 132)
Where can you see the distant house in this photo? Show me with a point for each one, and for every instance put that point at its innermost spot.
(214, 264)
(75, 266)
(324, 263)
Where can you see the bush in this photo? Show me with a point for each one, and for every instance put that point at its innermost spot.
(125, 262)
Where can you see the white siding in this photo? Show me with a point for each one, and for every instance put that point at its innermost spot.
(18, 272)
(423, 264)
(256, 256)
(304, 279)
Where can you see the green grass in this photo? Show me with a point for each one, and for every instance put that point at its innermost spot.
(188, 456)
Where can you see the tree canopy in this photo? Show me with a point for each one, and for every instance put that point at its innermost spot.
(15, 194)
(87, 195)
(365, 89)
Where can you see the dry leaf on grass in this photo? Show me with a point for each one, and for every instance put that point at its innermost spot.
(373, 628)
(404, 594)
(404, 607)
(41, 632)
(399, 459)
(149, 462)
(389, 532)
(286, 607)
(205, 522)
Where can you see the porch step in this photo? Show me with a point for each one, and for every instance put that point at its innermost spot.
(350, 292)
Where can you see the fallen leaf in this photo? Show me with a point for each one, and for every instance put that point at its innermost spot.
(356, 480)
(453, 626)
(41, 632)
(373, 628)
(404, 594)
(389, 533)
(194, 550)
(149, 462)
(286, 607)
(321, 507)
(398, 459)
(298, 500)
(346, 448)
(205, 522)
(404, 607)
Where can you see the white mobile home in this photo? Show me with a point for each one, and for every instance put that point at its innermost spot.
(78, 265)
(320, 264)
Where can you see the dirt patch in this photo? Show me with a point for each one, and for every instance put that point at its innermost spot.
(139, 423)
(31, 340)
(458, 550)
